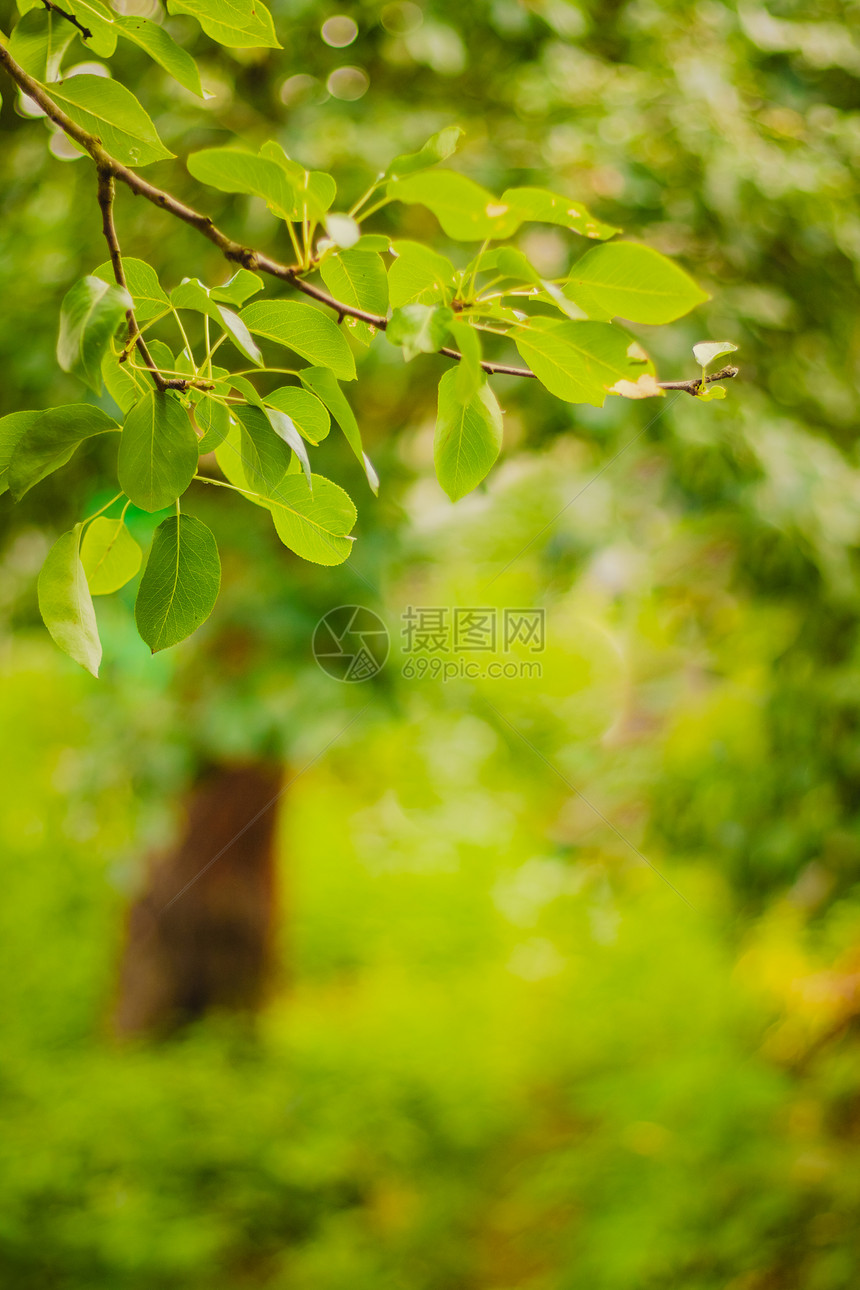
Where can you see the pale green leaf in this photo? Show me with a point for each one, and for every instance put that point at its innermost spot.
(626, 280)
(163, 49)
(109, 111)
(467, 212)
(579, 362)
(99, 19)
(239, 24)
(543, 207)
(304, 330)
(468, 436)
(65, 602)
(438, 148)
(191, 294)
(357, 278)
(180, 583)
(232, 170)
(237, 289)
(90, 314)
(38, 42)
(321, 382)
(158, 451)
(51, 441)
(304, 409)
(707, 350)
(110, 555)
(285, 428)
(469, 375)
(314, 524)
(419, 276)
(149, 297)
(419, 329)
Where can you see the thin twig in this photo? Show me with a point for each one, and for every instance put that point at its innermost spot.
(235, 251)
(107, 191)
(69, 17)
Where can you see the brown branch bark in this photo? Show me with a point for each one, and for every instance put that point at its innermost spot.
(69, 17)
(235, 251)
(107, 191)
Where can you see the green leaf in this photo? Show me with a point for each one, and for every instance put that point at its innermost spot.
(707, 350)
(232, 170)
(316, 189)
(110, 555)
(626, 280)
(238, 289)
(469, 374)
(305, 410)
(100, 21)
(468, 436)
(180, 583)
(213, 420)
(111, 112)
(65, 602)
(124, 385)
(90, 314)
(304, 330)
(285, 428)
(373, 242)
(419, 276)
(419, 329)
(357, 278)
(191, 294)
(228, 454)
(543, 207)
(157, 451)
(437, 148)
(510, 262)
(147, 293)
(265, 455)
(38, 43)
(12, 428)
(239, 24)
(51, 441)
(163, 49)
(467, 212)
(314, 524)
(579, 362)
(321, 382)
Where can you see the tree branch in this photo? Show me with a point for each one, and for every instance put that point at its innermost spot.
(107, 190)
(235, 251)
(69, 17)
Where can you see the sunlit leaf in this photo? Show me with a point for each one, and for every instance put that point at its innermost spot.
(65, 602)
(577, 361)
(305, 410)
(163, 49)
(466, 211)
(149, 297)
(357, 278)
(626, 280)
(239, 24)
(110, 555)
(707, 350)
(108, 110)
(304, 330)
(321, 382)
(314, 523)
(468, 436)
(419, 276)
(543, 207)
(438, 148)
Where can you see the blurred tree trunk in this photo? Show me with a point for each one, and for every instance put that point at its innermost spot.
(200, 935)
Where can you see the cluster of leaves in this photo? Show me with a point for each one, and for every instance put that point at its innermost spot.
(177, 407)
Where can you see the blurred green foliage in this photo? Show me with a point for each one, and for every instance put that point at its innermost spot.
(509, 1054)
